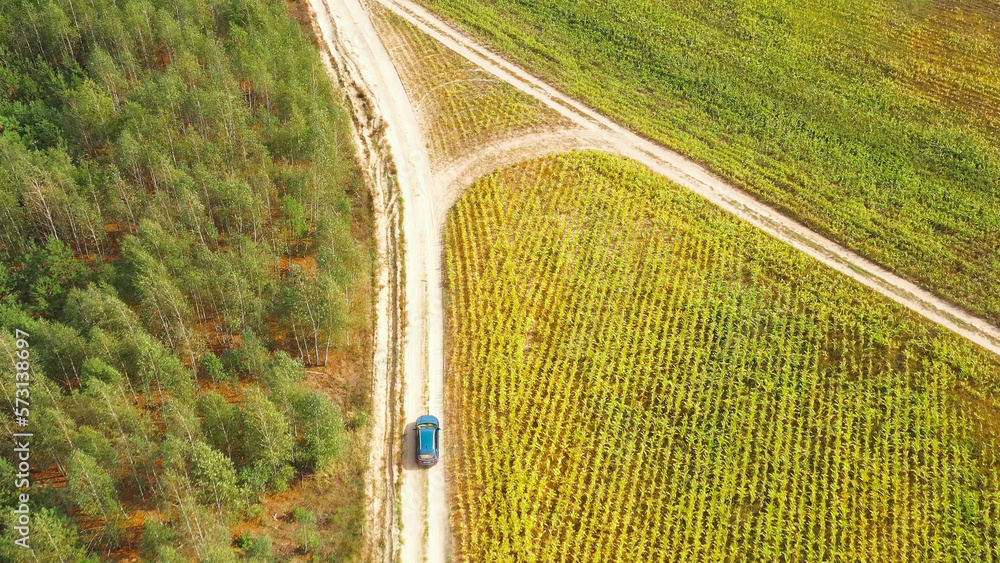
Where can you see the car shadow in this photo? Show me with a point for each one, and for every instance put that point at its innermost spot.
(410, 448)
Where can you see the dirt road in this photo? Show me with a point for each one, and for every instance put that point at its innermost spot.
(423, 523)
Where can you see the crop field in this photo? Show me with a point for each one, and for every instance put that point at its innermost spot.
(637, 376)
(874, 122)
(461, 106)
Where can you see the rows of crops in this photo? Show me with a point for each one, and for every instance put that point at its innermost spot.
(955, 61)
(873, 121)
(637, 376)
(462, 106)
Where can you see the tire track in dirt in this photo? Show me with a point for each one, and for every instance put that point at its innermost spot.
(381, 524)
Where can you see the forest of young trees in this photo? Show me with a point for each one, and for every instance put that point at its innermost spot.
(177, 190)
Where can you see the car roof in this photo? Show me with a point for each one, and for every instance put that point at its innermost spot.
(427, 439)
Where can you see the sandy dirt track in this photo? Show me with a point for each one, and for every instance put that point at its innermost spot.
(423, 523)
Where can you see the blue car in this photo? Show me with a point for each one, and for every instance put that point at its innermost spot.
(428, 440)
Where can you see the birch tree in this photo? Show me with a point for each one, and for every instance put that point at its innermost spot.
(267, 442)
(93, 490)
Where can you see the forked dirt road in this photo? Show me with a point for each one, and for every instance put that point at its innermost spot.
(346, 29)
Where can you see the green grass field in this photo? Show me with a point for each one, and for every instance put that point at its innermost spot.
(874, 122)
(637, 376)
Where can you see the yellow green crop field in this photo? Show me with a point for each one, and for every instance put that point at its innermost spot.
(635, 375)
(873, 121)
